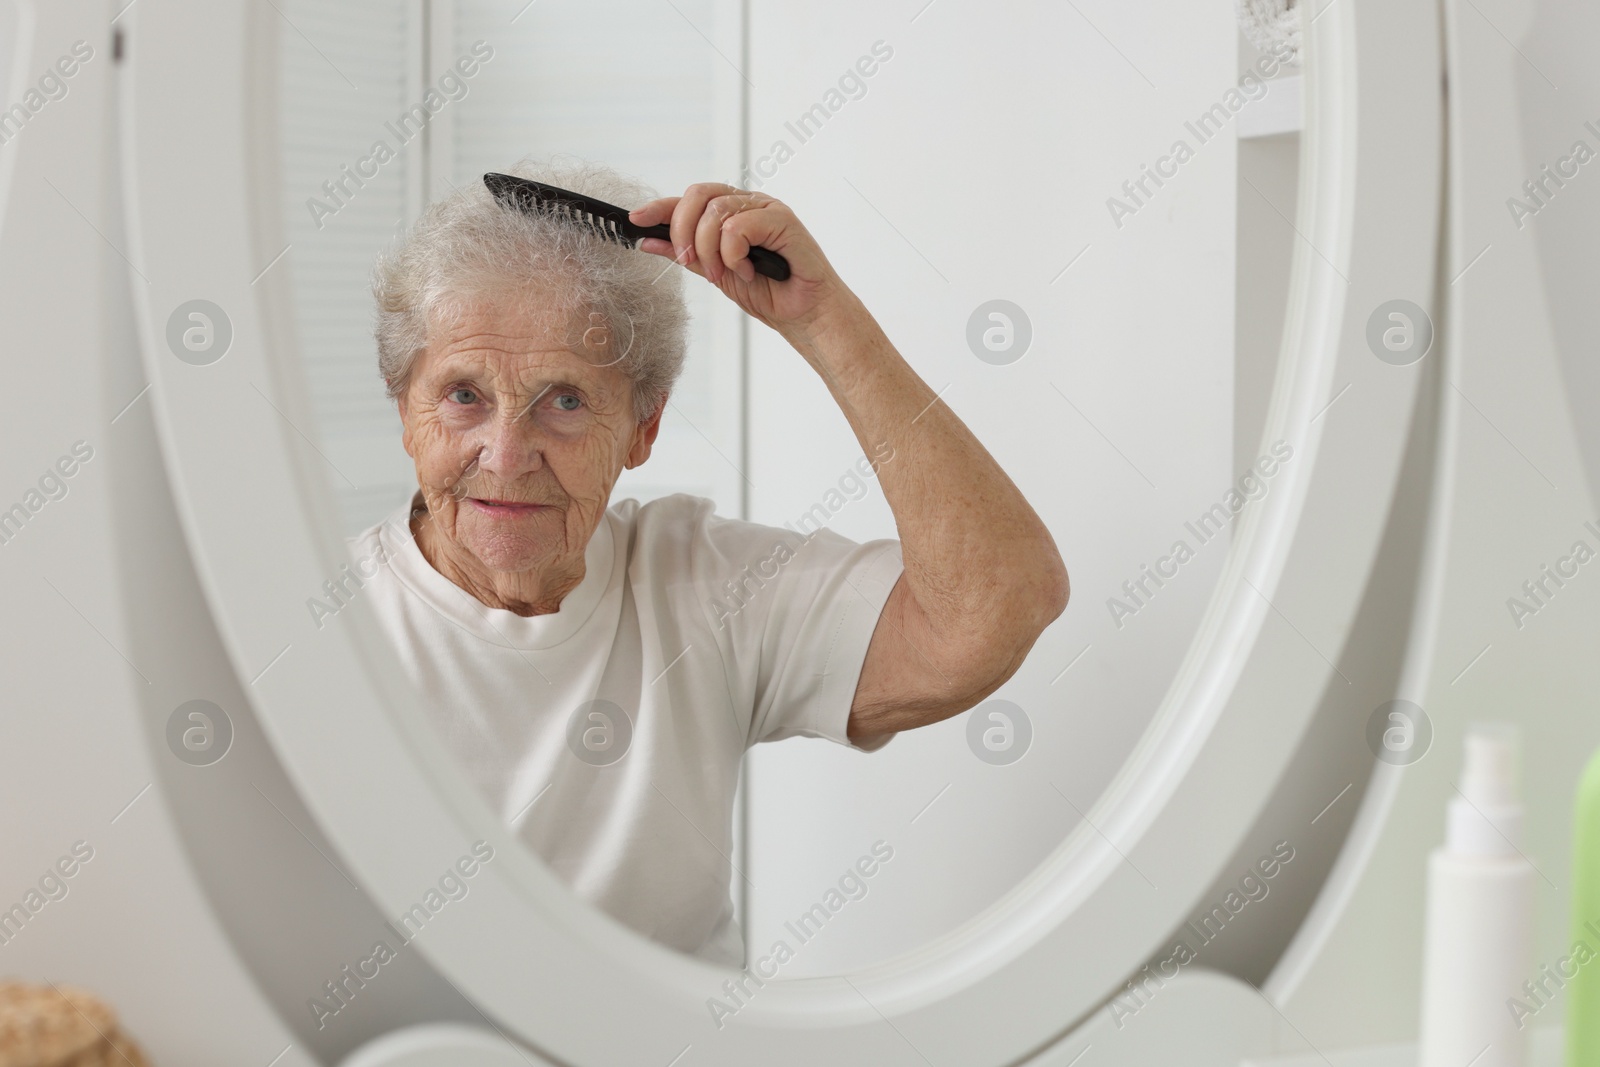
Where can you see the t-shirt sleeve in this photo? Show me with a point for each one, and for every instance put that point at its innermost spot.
(794, 614)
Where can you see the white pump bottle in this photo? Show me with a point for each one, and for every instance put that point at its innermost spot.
(1478, 949)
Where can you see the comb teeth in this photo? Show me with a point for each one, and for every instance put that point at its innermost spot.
(591, 222)
(603, 220)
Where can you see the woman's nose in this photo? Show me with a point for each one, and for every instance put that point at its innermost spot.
(513, 446)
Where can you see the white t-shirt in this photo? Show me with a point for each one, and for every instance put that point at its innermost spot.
(710, 634)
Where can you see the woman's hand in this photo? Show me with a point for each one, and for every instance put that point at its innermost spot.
(713, 228)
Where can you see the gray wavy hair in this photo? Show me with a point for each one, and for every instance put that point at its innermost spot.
(467, 245)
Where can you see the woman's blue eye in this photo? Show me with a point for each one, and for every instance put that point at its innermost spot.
(456, 394)
(576, 401)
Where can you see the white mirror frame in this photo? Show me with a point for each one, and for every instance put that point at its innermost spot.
(200, 178)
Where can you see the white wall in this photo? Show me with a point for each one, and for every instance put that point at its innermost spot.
(977, 166)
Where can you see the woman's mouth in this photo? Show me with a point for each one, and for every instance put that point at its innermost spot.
(504, 509)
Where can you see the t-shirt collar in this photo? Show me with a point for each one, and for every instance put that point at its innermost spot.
(498, 625)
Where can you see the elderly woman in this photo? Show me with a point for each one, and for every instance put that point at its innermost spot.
(579, 656)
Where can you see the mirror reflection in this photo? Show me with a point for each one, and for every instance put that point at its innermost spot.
(628, 512)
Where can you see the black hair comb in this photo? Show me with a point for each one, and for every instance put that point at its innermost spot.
(605, 220)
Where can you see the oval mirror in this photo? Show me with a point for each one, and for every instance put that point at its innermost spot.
(1086, 333)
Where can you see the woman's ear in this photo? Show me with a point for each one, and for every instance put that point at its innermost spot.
(644, 436)
(405, 423)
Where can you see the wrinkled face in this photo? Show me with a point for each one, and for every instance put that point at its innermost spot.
(518, 430)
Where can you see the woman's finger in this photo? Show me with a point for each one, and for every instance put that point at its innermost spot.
(654, 212)
(707, 244)
(708, 232)
(686, 218)
(735, 245)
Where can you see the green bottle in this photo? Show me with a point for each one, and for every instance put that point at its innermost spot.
(1583, 992)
